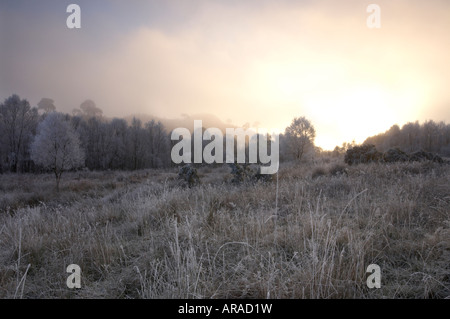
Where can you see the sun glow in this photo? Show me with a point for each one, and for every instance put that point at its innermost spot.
(352, 114)
(341, 106)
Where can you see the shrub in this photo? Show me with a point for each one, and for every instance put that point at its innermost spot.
(241, 173)
(423, 156)
(362, 154)
(244, 173)
(189, 176)
(395, 155)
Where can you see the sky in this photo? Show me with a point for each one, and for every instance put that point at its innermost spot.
(250, 61)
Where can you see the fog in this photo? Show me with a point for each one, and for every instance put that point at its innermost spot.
(242, 61)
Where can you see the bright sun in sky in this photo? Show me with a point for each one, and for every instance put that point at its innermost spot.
(355, 114)
(358, 112)
(340, 109)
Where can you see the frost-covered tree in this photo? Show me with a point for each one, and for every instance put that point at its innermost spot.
(157, 145)
(300, 136)
(430, 136)
(56, 146)
(136, 143)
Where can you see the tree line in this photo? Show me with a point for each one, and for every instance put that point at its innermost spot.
(412, 137)
(115, 144)
(105, 143)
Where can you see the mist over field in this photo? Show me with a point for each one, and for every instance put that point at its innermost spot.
(224, 150)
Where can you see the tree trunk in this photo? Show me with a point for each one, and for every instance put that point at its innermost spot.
(58, 179)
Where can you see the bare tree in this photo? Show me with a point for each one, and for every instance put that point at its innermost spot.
(56, 146)
(300, 136)
(119, 135)
(135, 143)
(17, 123)
(157, 144)
(429, 136)
(116, 144)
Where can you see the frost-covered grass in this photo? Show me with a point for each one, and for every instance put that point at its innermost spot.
(140, 235)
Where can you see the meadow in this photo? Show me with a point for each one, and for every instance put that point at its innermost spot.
(311, 235)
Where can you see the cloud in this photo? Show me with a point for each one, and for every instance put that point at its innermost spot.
(246, 61)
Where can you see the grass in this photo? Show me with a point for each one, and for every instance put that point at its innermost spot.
(141, 235)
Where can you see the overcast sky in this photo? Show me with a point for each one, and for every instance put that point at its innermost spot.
(244, 61)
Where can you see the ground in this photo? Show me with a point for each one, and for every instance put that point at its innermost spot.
(143, 235)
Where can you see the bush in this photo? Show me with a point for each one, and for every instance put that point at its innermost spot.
(189, 176)
(241, 173)
(423, 156)
(338, 170)
(395, 155)
(368, 153)
(362, 154)
(244, 173)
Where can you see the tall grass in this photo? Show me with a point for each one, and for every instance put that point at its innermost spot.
(140, 235)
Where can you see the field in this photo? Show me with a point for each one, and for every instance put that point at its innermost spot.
(141, 235)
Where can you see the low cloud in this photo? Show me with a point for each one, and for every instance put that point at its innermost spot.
(249, 62)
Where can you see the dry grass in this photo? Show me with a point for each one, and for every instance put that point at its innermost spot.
(139, 235)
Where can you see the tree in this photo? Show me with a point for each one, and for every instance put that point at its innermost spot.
(300, 136)
(56, 146)
(136, 140)
(413, 137)
(430, 133)
(77, 112)
(119, 137)
(17, 124)
(157, 144)
(89, 109)
(46, 105)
